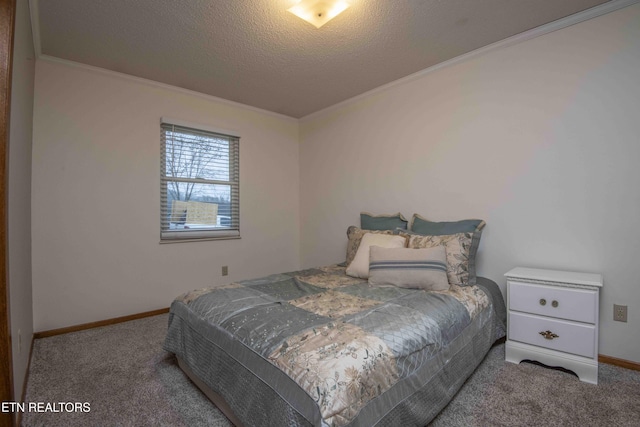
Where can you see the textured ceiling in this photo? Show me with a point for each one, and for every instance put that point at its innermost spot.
(256, 53)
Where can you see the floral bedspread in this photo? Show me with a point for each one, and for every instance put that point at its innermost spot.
(341, 340)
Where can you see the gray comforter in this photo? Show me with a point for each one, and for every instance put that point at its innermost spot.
(317, 347)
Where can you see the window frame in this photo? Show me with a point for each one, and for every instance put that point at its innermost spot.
(168, 235)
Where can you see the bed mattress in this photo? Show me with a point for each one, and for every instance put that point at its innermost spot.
(320, 348)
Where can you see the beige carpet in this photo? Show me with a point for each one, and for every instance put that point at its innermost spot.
(527, 394)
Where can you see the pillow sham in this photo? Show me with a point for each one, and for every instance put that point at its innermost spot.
(423, 226)
(409, 268)
(354, 234)
(359, 267)
(382, 222)
(461, 240)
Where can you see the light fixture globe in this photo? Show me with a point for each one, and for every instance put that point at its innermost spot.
(318, 12)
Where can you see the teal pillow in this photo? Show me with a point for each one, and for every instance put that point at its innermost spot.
(382, 222)
(420, 225)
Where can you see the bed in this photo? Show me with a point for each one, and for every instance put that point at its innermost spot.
(318, 347)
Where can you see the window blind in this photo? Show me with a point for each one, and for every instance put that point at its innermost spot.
(199, 184)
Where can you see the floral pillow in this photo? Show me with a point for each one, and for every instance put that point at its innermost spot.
(461, 240)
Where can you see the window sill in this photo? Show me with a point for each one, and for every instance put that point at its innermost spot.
(198, 239)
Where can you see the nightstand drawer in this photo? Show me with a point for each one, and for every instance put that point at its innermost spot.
(563, 303)
(570, 337)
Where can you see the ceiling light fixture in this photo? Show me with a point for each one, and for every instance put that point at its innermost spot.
(318, 12)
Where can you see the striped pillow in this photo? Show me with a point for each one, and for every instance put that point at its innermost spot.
(409, 268)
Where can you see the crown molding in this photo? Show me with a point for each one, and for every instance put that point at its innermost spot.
(559, 24)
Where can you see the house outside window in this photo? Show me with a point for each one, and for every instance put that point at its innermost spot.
(199, 184)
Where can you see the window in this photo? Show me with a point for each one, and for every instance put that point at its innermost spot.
(199, 184)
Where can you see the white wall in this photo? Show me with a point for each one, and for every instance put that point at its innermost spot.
(96, 197)
(540, 139)
(19, 196)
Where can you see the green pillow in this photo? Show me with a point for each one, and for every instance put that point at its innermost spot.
(382, 222)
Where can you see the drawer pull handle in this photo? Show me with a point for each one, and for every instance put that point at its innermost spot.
(554, 303)
(543, 301)
(549, 335)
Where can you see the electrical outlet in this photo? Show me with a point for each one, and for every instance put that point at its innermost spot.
(619, 313)
(225, 270)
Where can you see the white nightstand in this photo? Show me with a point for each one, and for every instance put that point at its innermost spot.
(553, 319)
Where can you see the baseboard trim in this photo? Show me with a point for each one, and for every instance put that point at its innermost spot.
(99, 323)
(619, 362)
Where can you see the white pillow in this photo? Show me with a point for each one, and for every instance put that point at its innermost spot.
(359, 267)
